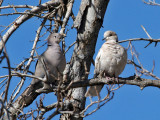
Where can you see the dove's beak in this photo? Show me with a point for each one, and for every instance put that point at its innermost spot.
(104, 38)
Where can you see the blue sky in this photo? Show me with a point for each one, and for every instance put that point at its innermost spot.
(125, 17)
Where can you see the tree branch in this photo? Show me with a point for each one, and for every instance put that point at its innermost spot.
(16, 6)
(132, 80)
(140, 39)
(151, 3)
(25, 17)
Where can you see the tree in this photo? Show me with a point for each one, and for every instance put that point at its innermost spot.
(54, 16)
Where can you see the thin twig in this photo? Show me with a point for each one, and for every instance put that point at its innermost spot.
(25, 17)
(106, 99)
(151, 3)
(16, 6)
(70, 46)
(140, 39)
(146, 32)
(148, 36)
(68, 14)
(9, 71)
(31, 56)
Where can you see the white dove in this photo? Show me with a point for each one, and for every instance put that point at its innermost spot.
(110, 61)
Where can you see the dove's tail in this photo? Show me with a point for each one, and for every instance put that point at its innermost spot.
(94, 90)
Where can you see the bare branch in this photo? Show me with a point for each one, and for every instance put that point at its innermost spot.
(46, 109)
(144, 71)
(31, 55)
(151, 3)
(9, 70)
(16, 6)
(68, 14)
(70, 47)
(105, 100)
(23, 18)
(148, 36)
(146, 32)
(140, 39)
(1, 1)
(132, 80)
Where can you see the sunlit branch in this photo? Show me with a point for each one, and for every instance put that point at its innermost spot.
(140, 39)
(16, 6)
(151, 2)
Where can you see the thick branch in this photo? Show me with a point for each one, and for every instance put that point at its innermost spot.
(132, 80)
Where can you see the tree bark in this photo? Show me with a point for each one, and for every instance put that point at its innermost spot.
(88, 23)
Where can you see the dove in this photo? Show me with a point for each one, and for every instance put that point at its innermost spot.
(110, 61)
(49, 67)
(51, 63)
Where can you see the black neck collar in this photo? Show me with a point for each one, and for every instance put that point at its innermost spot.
(49, 45)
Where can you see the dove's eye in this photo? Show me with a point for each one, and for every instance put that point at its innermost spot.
(54, 36)
(110, 34)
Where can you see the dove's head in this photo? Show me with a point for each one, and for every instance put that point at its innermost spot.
(110, 36)
(54, 38)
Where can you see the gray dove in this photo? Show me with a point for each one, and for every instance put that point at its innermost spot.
(50, 67)
(110, 61)
(51, 63)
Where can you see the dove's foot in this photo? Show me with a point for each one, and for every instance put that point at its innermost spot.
(112, 79)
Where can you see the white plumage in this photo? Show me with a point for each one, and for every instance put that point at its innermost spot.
(111, 60)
